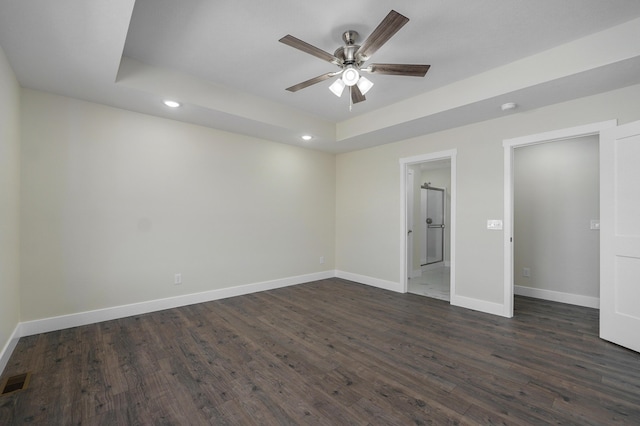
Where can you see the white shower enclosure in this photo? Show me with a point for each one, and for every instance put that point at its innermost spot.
(432, 217)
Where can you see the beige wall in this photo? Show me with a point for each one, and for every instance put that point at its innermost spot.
(9, 201)
(114, 203)
(368, 215)
(556, 195)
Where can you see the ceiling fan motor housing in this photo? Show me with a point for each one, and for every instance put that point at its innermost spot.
(347, 53)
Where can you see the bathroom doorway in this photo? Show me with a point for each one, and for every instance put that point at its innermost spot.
(429, 226)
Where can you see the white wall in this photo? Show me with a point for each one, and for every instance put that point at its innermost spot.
(556, 194)
(368, 216)
(114, 203)
(9, 205)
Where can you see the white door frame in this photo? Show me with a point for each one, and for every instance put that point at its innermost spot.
(509, 145)
(404, 163)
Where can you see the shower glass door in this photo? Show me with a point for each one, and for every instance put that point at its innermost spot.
(433, 207)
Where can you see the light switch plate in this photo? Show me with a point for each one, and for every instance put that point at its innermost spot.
(494, 225)
(595, 224)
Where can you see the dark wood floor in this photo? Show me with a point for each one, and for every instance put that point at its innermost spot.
(329, 352)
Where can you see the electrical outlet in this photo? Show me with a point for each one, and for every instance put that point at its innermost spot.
(177, 279)
(526, 272)
(321, 260)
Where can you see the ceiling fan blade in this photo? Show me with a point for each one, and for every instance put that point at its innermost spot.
(356, 95)
(296, 43)
(383, 32)
(399, 69)
(311, 82)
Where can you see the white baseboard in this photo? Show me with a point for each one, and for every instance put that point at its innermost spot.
(461, 301)
(90, 317)
(557, 296)
(9, 347)
(479, 305)
(374, 282)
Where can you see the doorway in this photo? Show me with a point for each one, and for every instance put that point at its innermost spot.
(509, 146)
(428, 224)
(556, 237)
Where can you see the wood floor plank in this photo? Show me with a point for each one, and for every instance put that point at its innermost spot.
(329, 352)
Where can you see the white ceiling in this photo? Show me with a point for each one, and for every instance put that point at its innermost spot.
(222, 59)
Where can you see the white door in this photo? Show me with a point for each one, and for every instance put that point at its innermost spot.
(410, 224)
(620, 235)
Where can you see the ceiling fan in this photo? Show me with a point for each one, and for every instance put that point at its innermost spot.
(351, 57)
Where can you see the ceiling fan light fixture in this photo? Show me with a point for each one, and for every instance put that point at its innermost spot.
(350, 75)
(337, 87)
(364, 84)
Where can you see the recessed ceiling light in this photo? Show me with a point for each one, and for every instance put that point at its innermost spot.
(307, 137)
(171, 104)
(508, 106)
